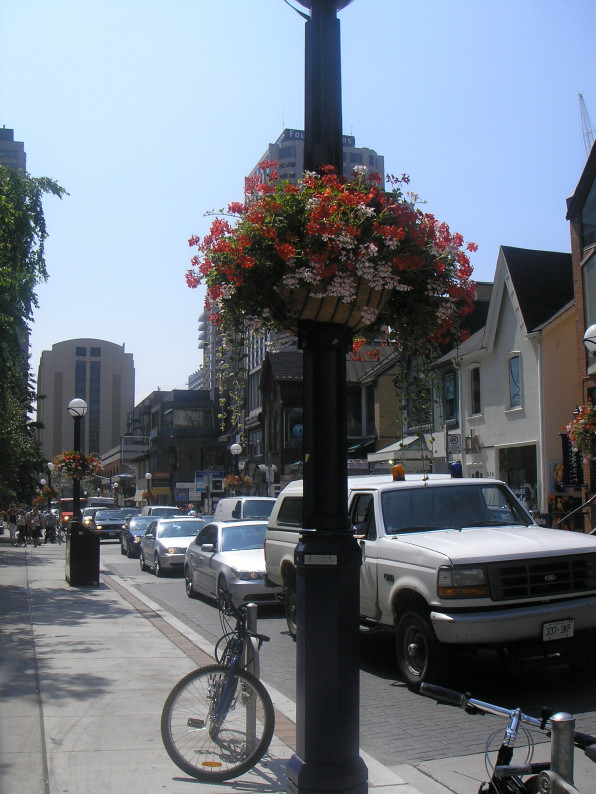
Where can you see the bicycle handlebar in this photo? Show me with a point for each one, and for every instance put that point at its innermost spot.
(443, 695)
(452, 698)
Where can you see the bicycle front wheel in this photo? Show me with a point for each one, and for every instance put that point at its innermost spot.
(213, 743)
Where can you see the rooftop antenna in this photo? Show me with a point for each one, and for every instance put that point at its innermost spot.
(587, 129)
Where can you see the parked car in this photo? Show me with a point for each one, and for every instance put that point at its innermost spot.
(241, 508)
(108, 524)
(164, 543)
(229, 553)
(161, 511)
(130, 537)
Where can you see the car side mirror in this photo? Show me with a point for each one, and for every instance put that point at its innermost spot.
(207, 547)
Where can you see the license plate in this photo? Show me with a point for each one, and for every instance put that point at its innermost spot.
(558, 630)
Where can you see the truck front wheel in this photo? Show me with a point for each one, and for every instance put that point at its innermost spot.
(417, 650)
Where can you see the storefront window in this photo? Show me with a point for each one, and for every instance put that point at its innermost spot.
(518, 468)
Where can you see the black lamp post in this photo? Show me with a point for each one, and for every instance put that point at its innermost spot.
(77, 409)
(327, 558)
(50, 470)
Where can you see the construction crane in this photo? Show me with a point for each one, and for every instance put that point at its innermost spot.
(587, 129)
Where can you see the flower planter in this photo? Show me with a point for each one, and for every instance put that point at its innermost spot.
(301, 305)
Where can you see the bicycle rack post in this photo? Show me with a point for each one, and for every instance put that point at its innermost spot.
(251, 648)
(251, 662)
(562, 747)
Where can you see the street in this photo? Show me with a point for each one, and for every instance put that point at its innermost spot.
(396, 725)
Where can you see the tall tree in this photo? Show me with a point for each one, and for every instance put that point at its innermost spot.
(22, 267)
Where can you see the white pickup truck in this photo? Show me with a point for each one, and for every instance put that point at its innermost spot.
(453, 562)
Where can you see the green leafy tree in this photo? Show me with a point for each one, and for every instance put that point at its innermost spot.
(22, 267)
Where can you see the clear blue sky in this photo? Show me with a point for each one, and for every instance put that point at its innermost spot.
(151, 112)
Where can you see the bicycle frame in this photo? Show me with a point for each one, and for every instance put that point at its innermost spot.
(234, 655)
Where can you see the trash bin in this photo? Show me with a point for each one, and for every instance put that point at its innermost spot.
(82, 555)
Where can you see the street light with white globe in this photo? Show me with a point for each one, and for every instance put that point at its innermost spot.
(77, 409)
(236, 451)
(590, 339)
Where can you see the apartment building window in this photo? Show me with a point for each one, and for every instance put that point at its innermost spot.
(589, 283)
(96, 352)
(94, 404)
(81, 351)
(450, 397)
(589, 217)
(475, 404)
(255, 443)
(514, 380)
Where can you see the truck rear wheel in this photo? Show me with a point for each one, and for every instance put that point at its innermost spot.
(417, 650)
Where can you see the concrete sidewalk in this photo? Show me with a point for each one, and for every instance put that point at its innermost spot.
(84, 675)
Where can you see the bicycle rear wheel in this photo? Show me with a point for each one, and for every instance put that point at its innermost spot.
(211, 746)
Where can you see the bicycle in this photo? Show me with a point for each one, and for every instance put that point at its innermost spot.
(554, 776)
(218, 721)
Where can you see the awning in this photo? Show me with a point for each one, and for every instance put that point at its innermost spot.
(409, 444)
(364, 442)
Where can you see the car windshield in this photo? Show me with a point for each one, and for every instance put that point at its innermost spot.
(109, 515)
(165, 511)
(258, 508)
(450, 507)
(140, 522)
(250, 536)
(180, 529)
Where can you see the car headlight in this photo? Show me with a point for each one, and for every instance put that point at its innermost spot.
(247, 576)
(462, 582)
(174, 550)
(136, 539)
(99, 526)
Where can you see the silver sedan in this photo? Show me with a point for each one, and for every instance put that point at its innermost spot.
(164, 543)
(229, 553)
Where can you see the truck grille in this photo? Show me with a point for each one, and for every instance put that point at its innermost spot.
(543, 577)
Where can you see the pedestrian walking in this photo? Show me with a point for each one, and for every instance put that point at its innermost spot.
(36, 527)
(11, 520)
(22, 531)
(50, 525)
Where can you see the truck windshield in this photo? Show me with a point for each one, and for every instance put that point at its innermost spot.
(450, 507)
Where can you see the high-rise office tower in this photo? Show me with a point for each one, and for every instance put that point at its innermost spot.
(99, 372)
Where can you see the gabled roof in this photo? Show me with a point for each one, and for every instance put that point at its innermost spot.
(285, 365)
(542, 280)
(576, 201)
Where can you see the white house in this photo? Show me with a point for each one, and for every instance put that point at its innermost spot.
(495, 398)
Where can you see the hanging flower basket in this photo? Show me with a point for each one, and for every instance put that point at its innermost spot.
(45, 495)
(77, 465)
(237, 482)
(582, 431)
(332, 251)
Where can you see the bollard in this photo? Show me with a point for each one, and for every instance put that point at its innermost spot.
(562, 747)
(251, 662)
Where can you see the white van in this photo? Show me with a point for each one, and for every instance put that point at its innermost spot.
(240, 508)
(161, 511)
